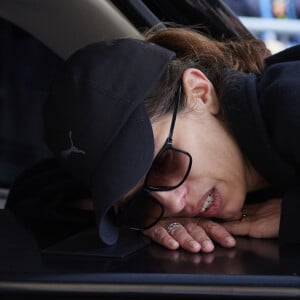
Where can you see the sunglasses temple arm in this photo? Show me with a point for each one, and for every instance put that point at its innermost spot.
(177, 99)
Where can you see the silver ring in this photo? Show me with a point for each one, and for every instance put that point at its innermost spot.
(171, 227)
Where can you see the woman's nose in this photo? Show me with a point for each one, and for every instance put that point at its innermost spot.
(173, 201)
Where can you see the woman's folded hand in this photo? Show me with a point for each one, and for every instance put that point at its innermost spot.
(261, 220)
(191, 234)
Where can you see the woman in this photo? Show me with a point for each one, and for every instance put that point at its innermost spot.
(221, 147)
(223, 122)
(219, 131)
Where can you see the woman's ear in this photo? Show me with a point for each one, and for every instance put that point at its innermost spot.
(200, 91)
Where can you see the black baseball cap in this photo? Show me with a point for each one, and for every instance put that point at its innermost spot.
(96, 122)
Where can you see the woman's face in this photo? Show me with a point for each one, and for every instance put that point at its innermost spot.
(216, 185)
(219, 178)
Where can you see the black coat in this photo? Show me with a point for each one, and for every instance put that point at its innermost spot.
(264, 115)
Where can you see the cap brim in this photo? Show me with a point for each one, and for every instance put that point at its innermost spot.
(127, 161)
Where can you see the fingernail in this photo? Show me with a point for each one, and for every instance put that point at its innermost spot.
(173, 244)
(230, 241)
(194, 244)
(207, 245)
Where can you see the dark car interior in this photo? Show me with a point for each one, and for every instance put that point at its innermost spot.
(36, 37)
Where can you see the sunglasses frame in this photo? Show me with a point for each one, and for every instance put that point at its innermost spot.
(169, 145)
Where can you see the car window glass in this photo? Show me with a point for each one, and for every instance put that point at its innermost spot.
(26, 70)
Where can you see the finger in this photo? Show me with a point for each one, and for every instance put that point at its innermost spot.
(241, 227)
(185, 240)
(198, 234)
(160, 235)
(219, 234)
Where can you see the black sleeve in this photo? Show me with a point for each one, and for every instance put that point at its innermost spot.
(289, 232)
(279, 91)
(289, 54)
(42, 199)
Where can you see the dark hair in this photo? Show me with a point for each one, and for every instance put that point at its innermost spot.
(212, 57)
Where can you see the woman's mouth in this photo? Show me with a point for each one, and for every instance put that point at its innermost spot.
(208, 202)
(211, 204)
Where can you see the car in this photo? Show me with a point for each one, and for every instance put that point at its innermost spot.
(36, 38)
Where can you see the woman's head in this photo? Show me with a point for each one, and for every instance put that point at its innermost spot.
(220, 176)
(97, 125)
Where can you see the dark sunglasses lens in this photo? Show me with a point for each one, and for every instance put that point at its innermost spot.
(141, 212)
(169, 169)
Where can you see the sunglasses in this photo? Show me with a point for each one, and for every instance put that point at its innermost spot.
(169, 170)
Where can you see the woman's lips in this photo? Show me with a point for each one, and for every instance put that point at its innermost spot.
(210, 204)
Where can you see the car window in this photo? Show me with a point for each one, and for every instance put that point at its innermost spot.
(26, 70)
(276, 22)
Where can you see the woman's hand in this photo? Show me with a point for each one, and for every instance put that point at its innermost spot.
(261, 220)
(191, 234)
(199, 234)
